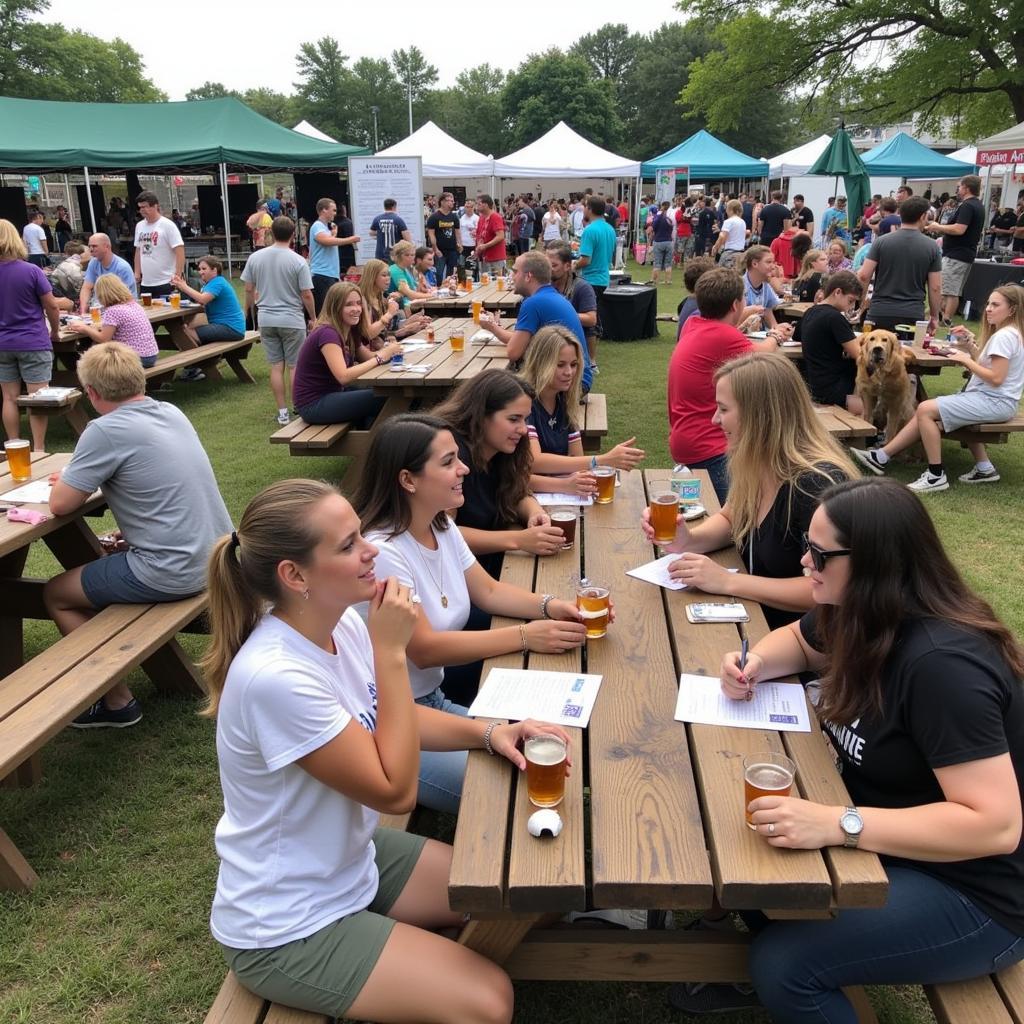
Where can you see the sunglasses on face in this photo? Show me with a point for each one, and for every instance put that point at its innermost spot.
(819, 556)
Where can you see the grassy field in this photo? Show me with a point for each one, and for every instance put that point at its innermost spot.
(121, 828)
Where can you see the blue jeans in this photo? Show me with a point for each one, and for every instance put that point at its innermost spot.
(441, 771)
(718, 469)
(927, 933)
(446, 264)
(353, 405)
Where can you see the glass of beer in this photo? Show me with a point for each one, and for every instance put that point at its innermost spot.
(97, 314)
(175, 300)
(592, 601)
(664, 509)
(147, 299)
(545, 769)
(477, 309)
(485, 278)
(867, 327)
(501, 284)
(605, 485)
(458, 340)
(565, 520)
(765, 773)
(19, 458)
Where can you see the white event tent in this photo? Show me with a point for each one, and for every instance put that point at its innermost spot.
(797, 162)
(305, 128)
(564, 153)
(446, 159)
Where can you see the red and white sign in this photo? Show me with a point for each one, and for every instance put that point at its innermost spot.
(1001, 157)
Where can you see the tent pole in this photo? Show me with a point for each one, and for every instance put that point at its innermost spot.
(227, 215)
(71, 205)
(988, 190)
(88, 196)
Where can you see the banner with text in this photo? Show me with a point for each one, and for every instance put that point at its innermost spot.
(371, 180)
(999, 157)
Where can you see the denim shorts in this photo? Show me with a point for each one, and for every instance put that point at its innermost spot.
(662, 253)
(217, 332)
(282, 344)
(33, 366)
(110, 580)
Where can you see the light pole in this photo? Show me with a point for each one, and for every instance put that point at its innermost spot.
(376, 144)
(410, 92)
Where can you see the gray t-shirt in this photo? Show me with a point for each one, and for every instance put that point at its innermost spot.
(279, 276)
(905, 258)
(159, 484)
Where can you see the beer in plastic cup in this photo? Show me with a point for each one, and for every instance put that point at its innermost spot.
(430, 332)
(765, 773)
(458, 340)
(664, 509)
(485, 278)
(867, 327)
(501, 284)
(147, 299)
(592, 601)
(175, 300)
(19, 458)
(477, 308)
(96, 314)
(920, 331)
(545, 769)
(605, 485)
(565, 520)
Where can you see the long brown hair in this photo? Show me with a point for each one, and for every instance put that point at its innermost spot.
(541, 361)
(1014, 295)
(466, 412)
(242, 574)
(899, 572)
(374, 299)
(331, 316)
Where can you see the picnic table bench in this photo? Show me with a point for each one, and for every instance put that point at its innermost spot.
(991, 999)
(205, 358)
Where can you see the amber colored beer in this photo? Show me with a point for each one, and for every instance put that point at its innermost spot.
(147, 299)
(592, 602)
(545, 769)
(605, 485)
(477, 309)
(19, 458)
(664, 509)
(765, 774)
(565, 520)
(501, 284)
(430, 333)
(485, 278)
(175, 300)
(458, 340)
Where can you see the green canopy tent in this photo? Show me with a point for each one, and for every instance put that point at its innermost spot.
(219, 135)
(840, 158)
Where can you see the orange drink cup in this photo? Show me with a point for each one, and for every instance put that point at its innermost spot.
(458, 340)
(664, 509)
(765, 773)
(175, 300)
(545, 769)
(96, 314)
(147, 299)
(605, 485)
(592, 601)
(477, 309)
(430, 332)
(19, 458)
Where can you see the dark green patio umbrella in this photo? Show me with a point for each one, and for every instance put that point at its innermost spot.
(841, 159)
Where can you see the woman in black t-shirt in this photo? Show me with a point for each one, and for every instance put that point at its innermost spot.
(780, 460)
(922, 700)
(812, 269)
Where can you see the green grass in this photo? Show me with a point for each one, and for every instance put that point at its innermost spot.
(120, 829)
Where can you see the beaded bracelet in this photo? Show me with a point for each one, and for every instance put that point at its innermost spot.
(487, 738)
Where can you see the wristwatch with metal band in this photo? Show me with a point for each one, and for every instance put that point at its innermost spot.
(852, 825)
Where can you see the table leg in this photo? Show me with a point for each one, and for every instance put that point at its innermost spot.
(77, 417)
(12, 650)
(74, 544)
(394, 405)
(496, 938)
(16, 873)
(173, 671)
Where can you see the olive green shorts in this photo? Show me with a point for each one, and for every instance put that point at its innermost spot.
(325, 971)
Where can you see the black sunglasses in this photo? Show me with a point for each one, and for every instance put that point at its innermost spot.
(819, 556)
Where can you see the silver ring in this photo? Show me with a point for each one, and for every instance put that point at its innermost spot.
(771, 828)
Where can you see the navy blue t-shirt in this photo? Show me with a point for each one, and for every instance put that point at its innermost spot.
(389, 228)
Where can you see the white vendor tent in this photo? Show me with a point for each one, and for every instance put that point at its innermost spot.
(442, 156)
(798, 161)
(305, 128)
(563, 153)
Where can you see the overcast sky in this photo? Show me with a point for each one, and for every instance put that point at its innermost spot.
(192, 42)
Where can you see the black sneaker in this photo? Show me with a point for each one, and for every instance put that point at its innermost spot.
(946, 322)
(698, 999)
(191, 375)
(99, 716)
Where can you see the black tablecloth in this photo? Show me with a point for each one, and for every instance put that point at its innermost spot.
(982, 278)
(628, 312)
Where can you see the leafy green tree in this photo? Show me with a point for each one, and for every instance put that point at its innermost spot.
(611, 51)
(412, 72)
(325, 81)
(471, 110)
(209, 91)
(275, 106)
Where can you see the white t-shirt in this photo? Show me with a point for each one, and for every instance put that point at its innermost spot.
(736, 233)
(156, 244)
(33, 236)
(429, 573)
(295, 854)
(467, 229)
(552, 227)
(1005, 342)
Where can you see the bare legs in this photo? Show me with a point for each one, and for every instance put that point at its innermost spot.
(12, 414)
(279, 383)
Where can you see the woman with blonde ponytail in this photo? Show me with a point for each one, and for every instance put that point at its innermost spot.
(317, 731)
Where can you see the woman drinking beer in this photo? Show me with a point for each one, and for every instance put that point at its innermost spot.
(404, 507)
(317, 733)
(921, 697)
(780, 460)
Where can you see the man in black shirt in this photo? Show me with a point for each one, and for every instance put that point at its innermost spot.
(774, 219)
(705, 227)
(803, 216)
(831, 345)
(1002, 227)
(443, 236)
(963, 233)
(1018, 231)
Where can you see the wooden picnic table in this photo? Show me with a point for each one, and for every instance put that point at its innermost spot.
(665, 827)
(489, 294)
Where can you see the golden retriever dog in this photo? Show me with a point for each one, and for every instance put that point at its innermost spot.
(883, 384)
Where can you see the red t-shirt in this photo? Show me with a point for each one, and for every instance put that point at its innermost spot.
(702, 348)
(684, 226)
(623, 211)
(487, 229)
(782, 250)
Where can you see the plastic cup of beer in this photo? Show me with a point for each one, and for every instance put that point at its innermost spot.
(96, 314)
(765, 773)
(147, 299)
(19, 458)
(175, 300)
(485, 278)
(605, 485)
(501, 284)
(545, 769)
(592, 600)
(477, 309)
(430, 332)
(458, 340)
(867, 327)
(664, 509)
(565, 520)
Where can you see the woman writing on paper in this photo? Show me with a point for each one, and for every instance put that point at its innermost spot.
(921, 696)
(780, 460)
(404, 508)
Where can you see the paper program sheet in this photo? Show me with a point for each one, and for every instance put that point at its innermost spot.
(778, 706)
(35, 492)
(657, 572)
(563, 499)
(563, 698)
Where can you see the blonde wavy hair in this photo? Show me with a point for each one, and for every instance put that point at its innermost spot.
(541, 360)
(11, 245)
(373, 297)
(780, 436)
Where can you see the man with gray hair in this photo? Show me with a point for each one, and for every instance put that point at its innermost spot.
(104, 261)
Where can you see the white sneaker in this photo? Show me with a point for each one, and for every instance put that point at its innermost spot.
(284, 419)
(927, 482)
(977, 476)
(866, 457)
